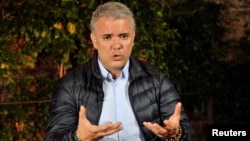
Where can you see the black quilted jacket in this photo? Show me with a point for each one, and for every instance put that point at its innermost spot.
(151, 93)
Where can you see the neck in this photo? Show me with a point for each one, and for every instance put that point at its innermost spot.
(115, 74)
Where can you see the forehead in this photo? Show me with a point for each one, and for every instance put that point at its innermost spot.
(106, 24)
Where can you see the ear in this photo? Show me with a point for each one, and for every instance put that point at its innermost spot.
(93, 39)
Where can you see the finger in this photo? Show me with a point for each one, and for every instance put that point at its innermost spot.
(82, 118)
(108, 126)
(173, 122)
(118, 125)
(100, 135)
(108, 129)
(113, 130)
(155, 128)
(82, 112)
(177, 111)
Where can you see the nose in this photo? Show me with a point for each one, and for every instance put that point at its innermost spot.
(116, 44)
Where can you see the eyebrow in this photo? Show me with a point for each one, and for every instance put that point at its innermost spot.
(124, 34)
(110, 34)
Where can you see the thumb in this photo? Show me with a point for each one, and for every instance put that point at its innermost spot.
(177, 111)
(82, 120)
(82, 113)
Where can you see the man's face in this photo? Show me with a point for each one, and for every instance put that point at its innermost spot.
(114, 40)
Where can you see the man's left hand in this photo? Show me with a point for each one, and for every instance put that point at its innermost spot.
(171, 125)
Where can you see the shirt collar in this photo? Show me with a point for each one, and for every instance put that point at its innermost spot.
(108, 76)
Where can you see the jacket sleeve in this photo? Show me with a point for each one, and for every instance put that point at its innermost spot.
(168, 100)
(63, 114)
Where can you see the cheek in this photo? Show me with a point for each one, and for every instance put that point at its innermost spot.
(131, 44)
(98, 45)
(94, 46)
(102, 47)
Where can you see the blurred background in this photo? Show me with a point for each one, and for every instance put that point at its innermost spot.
(202, 45)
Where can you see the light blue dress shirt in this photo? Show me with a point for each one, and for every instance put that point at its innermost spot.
(117, 107)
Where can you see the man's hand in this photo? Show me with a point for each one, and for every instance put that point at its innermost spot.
(171, 125)
(88, 132)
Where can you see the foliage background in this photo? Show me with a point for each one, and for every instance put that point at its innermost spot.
(42, 39)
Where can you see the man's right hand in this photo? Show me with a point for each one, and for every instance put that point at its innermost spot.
(88, 132)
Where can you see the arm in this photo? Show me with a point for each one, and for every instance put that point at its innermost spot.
(68, 120)
(175, 124)
(63, 115)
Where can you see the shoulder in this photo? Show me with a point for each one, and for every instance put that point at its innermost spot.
(140, 66)
(76, 75)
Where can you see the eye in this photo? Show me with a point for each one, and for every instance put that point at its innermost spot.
(106, 37)
(124, 36)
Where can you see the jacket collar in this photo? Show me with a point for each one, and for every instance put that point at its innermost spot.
(95, 67)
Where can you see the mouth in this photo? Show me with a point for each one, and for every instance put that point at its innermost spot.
(117, 57)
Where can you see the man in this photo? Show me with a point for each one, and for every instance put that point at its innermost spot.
(114, 96)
